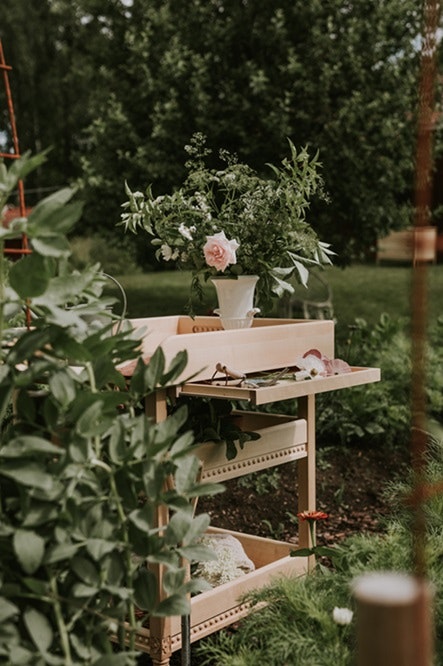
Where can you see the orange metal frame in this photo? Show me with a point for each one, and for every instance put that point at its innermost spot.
(5, 69)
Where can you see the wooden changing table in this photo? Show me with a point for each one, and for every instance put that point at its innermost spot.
(270, 344)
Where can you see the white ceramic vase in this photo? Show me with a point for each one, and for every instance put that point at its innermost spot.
(236, 300)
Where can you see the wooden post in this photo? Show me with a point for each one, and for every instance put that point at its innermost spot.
(393, 620)
(306, 472)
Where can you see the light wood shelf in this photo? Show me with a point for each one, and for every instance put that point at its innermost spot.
(269, 345)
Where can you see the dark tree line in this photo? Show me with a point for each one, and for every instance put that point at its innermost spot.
(117, 89)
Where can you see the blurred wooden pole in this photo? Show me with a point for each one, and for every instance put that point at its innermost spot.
(394, 626)
(394, 617)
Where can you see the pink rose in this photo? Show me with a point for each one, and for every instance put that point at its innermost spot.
(219, 251)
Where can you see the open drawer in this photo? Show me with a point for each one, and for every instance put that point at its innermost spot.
(284, 389)
(222, 606)
(282, 439)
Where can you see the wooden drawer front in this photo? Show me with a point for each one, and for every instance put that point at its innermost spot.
(268, 344)
(282, 439)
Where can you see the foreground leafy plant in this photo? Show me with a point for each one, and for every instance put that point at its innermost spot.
(83, 471)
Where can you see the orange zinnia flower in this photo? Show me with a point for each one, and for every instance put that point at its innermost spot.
(312, 515)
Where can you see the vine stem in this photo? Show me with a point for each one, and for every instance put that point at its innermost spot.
(93, 384)
(127, 557)
(64, 638)
(120, 512)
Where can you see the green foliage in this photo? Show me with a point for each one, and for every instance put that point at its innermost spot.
(339, 77)
(381, 412)
(263, 482)
(115, 255)
(215, 421)
(83, 471)
(293, 619)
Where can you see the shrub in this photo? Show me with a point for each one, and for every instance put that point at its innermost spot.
(117, 256)
(83, 472)
(380, 412)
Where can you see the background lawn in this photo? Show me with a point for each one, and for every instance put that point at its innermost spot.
(360, 291)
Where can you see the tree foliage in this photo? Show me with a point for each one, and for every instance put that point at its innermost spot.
(340, 76)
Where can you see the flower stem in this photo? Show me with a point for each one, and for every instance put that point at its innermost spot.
(64, 638)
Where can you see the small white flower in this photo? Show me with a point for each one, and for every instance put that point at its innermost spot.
(166, 252)
(113, 627)
(185, 232)
(342, 616)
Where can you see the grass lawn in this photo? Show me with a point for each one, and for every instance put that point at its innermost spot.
(363, 290)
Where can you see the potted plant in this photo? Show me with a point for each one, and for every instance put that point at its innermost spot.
(232, 222)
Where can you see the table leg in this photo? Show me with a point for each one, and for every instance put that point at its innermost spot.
(306, 469)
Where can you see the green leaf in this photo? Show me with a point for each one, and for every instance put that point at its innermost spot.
(51, 246)
(173, 605)
(153, 372)
(231, 450)
(7, 610)
(141, 518)
(118, 449)
(85, 570)
(173, 580)
(29, 548)
(176, 368)
(39, 629)
(325, 551)
(182, 445)
(40, 513)
(186, 474)
(177, 527)
(29, 276)
(92, 422)
(62, 387)
(302, 552)
(99, 547)
(197, 553)
(27, 474)
(49, 214)
(82, 590)
(137, 384)
(145, 589)
(27, 445)
(63, 551)
(198, 526)
(29, 343)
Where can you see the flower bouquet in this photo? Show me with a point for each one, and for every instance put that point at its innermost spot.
(233, 222)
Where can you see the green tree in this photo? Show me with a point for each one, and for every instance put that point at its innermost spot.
(59, 51)
(129, 83)
(339, 76)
